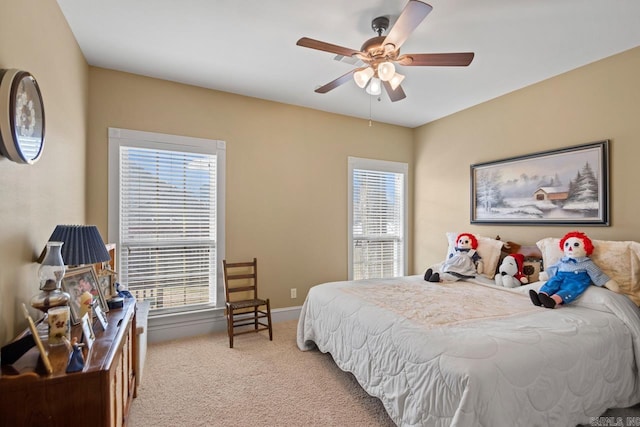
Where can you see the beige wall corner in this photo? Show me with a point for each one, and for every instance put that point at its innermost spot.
(595, 102)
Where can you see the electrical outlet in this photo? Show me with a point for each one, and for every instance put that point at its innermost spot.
(294, 293)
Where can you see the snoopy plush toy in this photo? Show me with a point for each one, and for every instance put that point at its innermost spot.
(510, 272)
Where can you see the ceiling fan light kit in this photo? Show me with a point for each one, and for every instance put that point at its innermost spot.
(381, 52)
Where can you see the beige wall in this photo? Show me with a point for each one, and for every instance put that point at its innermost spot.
(286, 169)
(34, 36)
(592, 103)
(286, 166)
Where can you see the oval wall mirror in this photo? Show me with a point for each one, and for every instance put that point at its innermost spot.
(21, 117)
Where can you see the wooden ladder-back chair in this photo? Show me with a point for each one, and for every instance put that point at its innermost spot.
(242, 302)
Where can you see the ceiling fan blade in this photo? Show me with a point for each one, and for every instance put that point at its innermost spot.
(394, 95)
(339, 81)
(436, 59)
(326, 47)
(412, 15)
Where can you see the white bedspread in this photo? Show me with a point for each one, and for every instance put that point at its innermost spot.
(468, 354)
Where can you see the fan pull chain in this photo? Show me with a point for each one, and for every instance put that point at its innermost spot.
(370, 123)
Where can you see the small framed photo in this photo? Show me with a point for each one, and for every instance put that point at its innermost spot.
(88, 337)
(106, 281)
(82, 285)
(101, 316)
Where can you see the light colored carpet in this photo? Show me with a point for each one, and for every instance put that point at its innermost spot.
(200, 381)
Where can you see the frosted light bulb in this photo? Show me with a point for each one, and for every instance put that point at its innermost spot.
(386, 70)
(362, 77)
(375, 87)
(396, 80)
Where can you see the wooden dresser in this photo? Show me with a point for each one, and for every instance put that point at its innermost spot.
(99, 395)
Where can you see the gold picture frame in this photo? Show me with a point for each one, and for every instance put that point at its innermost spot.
(77, 282)
(36, 338)
(106, 280)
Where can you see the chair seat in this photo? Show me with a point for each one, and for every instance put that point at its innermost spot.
(247, 303)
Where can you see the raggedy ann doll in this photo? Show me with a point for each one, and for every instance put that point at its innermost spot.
(572, 274)
(463, 263)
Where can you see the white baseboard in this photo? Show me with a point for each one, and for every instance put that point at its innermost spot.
(181, 325)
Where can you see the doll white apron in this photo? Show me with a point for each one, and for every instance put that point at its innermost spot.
(461, 264)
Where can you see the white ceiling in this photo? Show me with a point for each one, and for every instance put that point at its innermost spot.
(249, 47)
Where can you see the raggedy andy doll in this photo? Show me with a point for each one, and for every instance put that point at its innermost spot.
(572, 274)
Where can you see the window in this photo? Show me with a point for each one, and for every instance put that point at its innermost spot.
(377, 218)
(166, 214)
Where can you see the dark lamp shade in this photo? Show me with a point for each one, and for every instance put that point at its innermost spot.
(82, 244)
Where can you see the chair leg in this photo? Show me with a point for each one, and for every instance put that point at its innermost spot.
(255, 318)
(230, 325)
(269, 321)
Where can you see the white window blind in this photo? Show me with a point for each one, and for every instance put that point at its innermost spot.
(168, 222)
(377, 218)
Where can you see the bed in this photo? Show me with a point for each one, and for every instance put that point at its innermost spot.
(469, 353)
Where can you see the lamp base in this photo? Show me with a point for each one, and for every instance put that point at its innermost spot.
(47, 299)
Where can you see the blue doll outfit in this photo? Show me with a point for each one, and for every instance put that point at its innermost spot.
(570, 277)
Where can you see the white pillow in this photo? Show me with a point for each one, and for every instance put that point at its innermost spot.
(488, 248)
(618, 260)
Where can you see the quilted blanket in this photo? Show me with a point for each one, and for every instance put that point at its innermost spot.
(471, 354)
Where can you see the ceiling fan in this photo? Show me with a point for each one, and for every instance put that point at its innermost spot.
(381, 52)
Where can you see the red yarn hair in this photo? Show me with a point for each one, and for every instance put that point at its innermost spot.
(588, 244)
(474, 241)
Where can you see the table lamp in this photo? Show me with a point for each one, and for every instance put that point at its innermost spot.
(69, 245)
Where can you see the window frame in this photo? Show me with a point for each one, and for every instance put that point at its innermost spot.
(379, 166)
(152, 140)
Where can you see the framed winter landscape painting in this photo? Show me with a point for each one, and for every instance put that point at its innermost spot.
(568, 186)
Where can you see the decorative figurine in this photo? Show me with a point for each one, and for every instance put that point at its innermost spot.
(76, 359)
